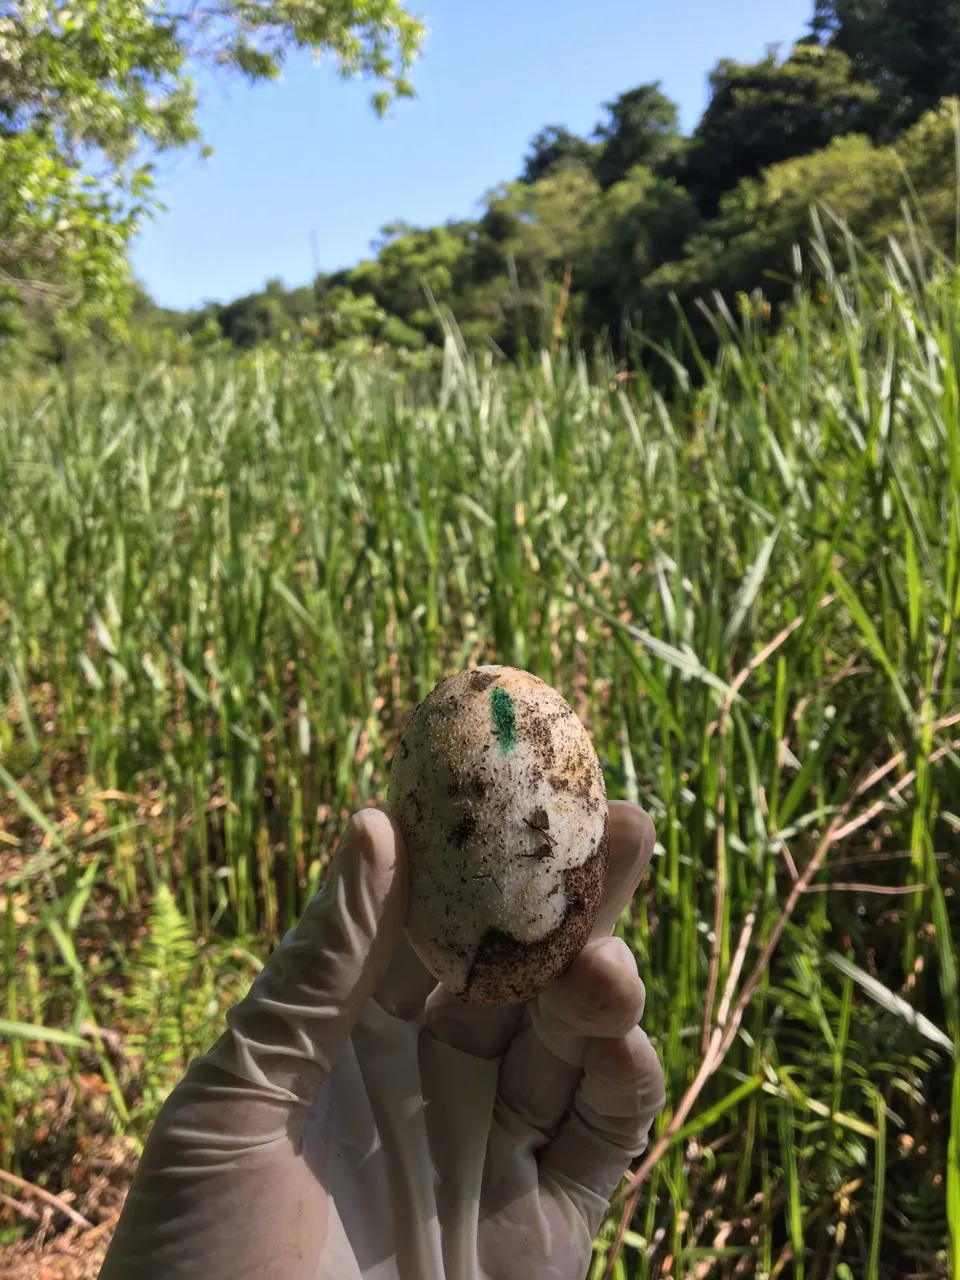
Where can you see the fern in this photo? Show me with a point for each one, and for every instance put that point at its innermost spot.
(172, 1004)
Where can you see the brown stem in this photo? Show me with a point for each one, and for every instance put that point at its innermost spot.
(720, 861)
(46, 1196)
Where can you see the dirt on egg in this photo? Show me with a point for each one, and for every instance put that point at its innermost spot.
(503, 807)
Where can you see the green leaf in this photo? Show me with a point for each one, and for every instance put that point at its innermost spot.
(890, 1001)
(871, 636)
(31, 810)
(50, 1035)
(750, 587)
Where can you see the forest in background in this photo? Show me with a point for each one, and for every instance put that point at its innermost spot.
(600, 238)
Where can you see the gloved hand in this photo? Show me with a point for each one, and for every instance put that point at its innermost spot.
(356, 1120)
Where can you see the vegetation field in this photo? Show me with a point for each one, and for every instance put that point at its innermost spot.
(224, 584)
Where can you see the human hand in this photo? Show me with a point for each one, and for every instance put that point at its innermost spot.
(358, 1121)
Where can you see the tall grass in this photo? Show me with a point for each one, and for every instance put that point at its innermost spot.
(224, 587)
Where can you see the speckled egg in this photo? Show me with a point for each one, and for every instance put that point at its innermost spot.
(502, 803)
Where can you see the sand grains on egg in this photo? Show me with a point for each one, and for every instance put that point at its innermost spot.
(502, 802)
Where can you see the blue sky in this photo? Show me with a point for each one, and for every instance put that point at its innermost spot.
(307, 155)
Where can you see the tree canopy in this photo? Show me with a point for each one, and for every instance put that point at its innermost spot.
(92, 90)
(554, 145)
(908, 49)
(596, 235)
(642, 127)
(762, 113)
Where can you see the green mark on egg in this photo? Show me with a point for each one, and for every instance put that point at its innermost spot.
(504, 715)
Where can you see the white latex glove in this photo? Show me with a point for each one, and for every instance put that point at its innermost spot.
(356, 1120)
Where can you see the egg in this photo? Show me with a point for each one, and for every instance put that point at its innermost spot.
(501, 800)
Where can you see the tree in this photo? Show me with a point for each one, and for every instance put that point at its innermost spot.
(762, 113)
(345, 316)
(409, 261)
(528, 240)
(552, 146)
(643, 128)
(750, 244)
(909, 49)
(91, 90)
(254, 319)
(640, 223)
(546, 225)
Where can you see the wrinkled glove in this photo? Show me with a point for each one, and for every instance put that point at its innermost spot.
(357, 1120)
